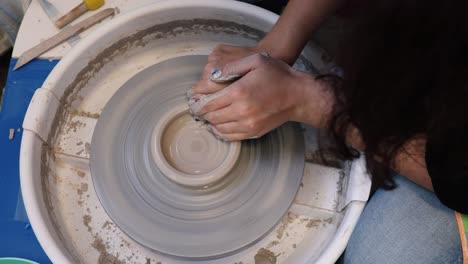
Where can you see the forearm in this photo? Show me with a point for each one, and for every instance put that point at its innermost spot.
(298, 21)
(409, 161)
(315, 101)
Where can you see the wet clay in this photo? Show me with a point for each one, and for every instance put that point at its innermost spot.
(190, 148)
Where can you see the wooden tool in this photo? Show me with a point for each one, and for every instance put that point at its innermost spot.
(78, 11)
(63, 36)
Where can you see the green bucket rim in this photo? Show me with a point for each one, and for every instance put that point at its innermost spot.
(16, 261)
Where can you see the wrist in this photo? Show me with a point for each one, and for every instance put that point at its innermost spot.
(313, 100)
(271, 45)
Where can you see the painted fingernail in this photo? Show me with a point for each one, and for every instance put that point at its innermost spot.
(216, 74)
(224, 79)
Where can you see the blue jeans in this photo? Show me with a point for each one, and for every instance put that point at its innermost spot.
(405, 225)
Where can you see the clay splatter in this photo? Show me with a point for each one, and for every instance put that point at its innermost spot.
(291, 217)
(86, 220)
(280, 231)
(73, 126)
(87, 147)
(82, 189)
(107, 223)
(264, 256)
(284, 225)
(313, 223)
(316, 222)
(86, 114)
(272, 244)
(104, 256)
(80, 173)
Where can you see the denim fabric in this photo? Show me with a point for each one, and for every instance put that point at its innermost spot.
(405, 225)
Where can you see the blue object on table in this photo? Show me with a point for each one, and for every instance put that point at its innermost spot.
(17, 238)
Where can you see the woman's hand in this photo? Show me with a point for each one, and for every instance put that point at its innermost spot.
(220, 56)
(268, 94)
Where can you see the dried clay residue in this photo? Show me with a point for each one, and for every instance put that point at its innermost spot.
(264, 256)
(74, 126)
(314, 223)
(100, 246)
(284, 225)
(83, 188)
(86, 114)
(104, 257)
(78, 172)
(86, 221)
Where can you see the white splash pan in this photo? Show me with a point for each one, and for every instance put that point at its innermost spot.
(59, 196)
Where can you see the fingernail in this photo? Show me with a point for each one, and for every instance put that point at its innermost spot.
(219, 78)
(216, 73)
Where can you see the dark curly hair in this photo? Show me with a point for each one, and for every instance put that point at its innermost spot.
(405, 77)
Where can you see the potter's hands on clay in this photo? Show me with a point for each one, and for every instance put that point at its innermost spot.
(268, 94)
(220, 56)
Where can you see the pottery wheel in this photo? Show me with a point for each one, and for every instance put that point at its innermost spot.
(172, 186)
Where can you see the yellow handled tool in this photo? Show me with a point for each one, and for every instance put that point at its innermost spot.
(78, 11)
